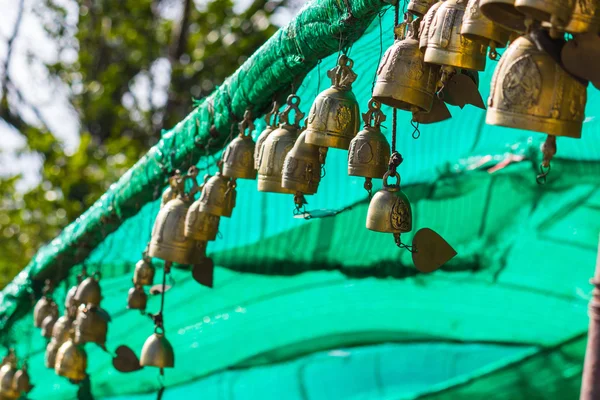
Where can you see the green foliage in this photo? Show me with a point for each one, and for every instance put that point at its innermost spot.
(119, 44)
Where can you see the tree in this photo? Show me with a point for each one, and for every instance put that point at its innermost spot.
(138, 67)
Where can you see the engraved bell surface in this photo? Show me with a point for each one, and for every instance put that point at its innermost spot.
(420, 7)
(238, 158)
(201, 225)
(333, 119)
(157, 352)
(71, 361)
(477, 26)
(389, 210)
(531, 91)
(503, 13)
(302, 167)
(168, 240)
(425, 28)
(585, 17)
(218, 196)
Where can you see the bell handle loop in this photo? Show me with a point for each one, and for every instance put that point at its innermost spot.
(274, 113)
(292, 104)
(541, 178)
(394, 175)
(374, 117)
(159, 330)
(404, 246)
(342, 75)
(246, 123)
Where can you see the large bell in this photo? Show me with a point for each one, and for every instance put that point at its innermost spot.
(585, 17)
(420, 7)
(445, 44)
(62, 329)
(218, 196)
(531, 91)
(90, 325)
(271, 120)
(369, 150)
(504, 13)
(168, 240)
(43, 308)
(137, 298)
(88, 291)
(334, 116)
(389, 210)
(51, 352)
(22, 380)
(404, 80)
(48, 325)
(200, 225)
(302, 167)
(157, 352)
(426, 26)
(556, 12)
(143, 274)
(71, 361)
(477, 26)
(238, 158)
(7, 374)
(276, 147)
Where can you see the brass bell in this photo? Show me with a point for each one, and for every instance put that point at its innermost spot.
(389, 210)
(218, 196)
(71, 361)
(426, 26)
(556, 12)
(404, 80)
(176, 186)
(302, 167)
(7, 374)
(200, 225)
(22, 380)
(88, 291)
(276, 147)
(157, 352)
(70, 302)
(90, 325)
(504, 13)
(137, 298)
(61, 329)
(48, 325)
(143, 274)
(271, 120)
(334, 116)
(369, 150)
(585, 17)
(478, 27)
(420, 7)
(445, 44)
(51, 352)
(238, 158)
(531, 91)
(43, 308)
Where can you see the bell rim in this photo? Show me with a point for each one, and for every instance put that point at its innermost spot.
(272, 185)
(389, 100)
(440, 56)
(327, 139)
(376, 174)
(537, 13)
(481, 33)
(549, 126)
(158, 250)
(506, 12)
(580, 24)
(238, 173)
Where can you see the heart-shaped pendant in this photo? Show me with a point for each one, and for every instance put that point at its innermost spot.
(431, 251)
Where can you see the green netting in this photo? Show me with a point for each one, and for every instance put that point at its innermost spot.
(289, 287)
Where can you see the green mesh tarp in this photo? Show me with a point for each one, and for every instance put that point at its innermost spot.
(296, 302)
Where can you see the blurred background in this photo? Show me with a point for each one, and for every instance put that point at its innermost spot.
(87, 87)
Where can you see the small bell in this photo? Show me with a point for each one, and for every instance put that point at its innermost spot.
(22, 380)
(43, 308)
(302, 167)
(426, 26)
(157, 352)
(200, 225)
(504, 13)
(389, 210)
(7, 374)
(48, 325)
(276, 147)
(61, 329)
(404, 80)
(369, 150)
(218, 196)
(478, 27)
(143, 275)
(585, 17)
(137, 298)
(238, 158)
(420, 7)
(445, 44)
(334, 116)
(51, 352)
(88, 291)
(90, 325)
(271, 120)
(71, 361)
(556, 12)
(531, 91)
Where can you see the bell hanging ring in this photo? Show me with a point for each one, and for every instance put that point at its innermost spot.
(144, 272)
(22, 380)
(238, 158)
(271, 120)
(420, 7)
(277, 146)
(556, 12)
(90, 325)
(88, 291)
(71, 361)
(390, 210)
(334, 116)
(446, 46)
(218, 196)
(531, 91)
(478, 27)
(302, 167)
(7, 374)
(157, 351)
(137, 298)
(504, 13)
(44, 308)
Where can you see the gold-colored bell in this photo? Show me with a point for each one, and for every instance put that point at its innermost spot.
(445, 44)
(478, 27)
(276, 147)
(531, 91)
(71, 361)
(22, 380)
(201, 225)
(238, 158)
(426, 26)
(556, 12)
(144, 272)
(43, 308)
(7, 374)
(48, 325)
(390, 210)
(137, 298)
(404, 80)
(334, 116)
(504, 13)
(61, 329)
(90, 325)
(420, 7)
(157, 352)
(585, 17)
(302, 167)
(218, 196)
(51, 352)
(88, 291)
(271, 120)
(369, 150)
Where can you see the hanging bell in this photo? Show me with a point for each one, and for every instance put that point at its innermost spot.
(218, 196)
(51, 352)
(61, 329)
(176, 185)
(302, 167)
(271, 120)
(143, 275)
(70, 302)
(48, 326)
(238, 158)
(404, 80)
(90, 325)
(88, 291)
(504, 13)
(478, 27)
(22, 380)
(369, 150)
(420, 7)
(71, 361)
(334, 116)
(157, 352)
(585, 17)
(389, 210)
(7, 374)
(531, 91)
(445, 44)
(426, 27)
(556, 12)
(43, 308)
(276, 147)
(137, 298)
(201, 225)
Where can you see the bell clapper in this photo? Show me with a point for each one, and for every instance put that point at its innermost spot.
(369, 186)
(404, 246)
(493, 54)
(548, 151)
